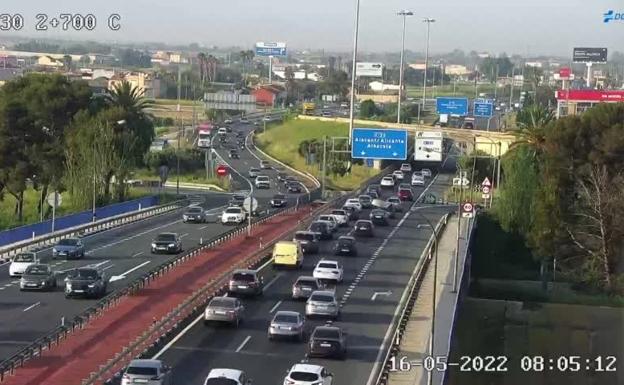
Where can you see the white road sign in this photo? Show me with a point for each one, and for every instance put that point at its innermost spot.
(486, 182)
(485, 190)
(54, 202)
(467, 210)
(369, 69)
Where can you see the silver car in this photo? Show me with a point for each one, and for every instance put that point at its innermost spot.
(322, 303)
(287, 324)
(305, 286)
(147, 372)
(224, 309)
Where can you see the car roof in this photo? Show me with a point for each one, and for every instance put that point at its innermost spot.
(167, 234)
(307, 368)
(146, 363)
(305, 232)
(328, 260)
(346, 237)
(328, 328)
(245, 271)
(286, 312)
(364, 220)
(306, 278)
(233, 374)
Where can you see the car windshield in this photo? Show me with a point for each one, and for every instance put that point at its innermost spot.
(263, 178)
(378, 212)
(327, 265)
(286, 318)
(194, 210)
(345, 242)
(365, 198)
(306, 283)
(339, 212)
(83, 273)
(68, 242)
(322, 298)
(142, 371)
(221, 381)
(388, 179)
(24, 258)
(204, 136)
(326, 333)
(254, 170)
(222, 302)
(304, 237)
(233, 210)
(233, 151)
(363, 224)
(238, 198)
(304, 376)
(165, 237)
(244, 277)
(393, 200)
(37, 270)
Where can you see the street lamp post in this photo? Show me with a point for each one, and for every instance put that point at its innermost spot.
(354, 66)
(427, 20)
(404, 14)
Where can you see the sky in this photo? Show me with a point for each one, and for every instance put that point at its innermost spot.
(526, 27)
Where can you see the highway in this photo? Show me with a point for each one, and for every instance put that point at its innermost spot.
(123, 253)
(383, 264)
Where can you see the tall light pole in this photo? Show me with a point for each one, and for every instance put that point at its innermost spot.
(427, 20)
(354, 66)
(404, 14)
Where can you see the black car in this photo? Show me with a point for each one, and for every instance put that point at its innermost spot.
(380, 217)
(351, 212)
(323, 229)
(38, 277)
(233, 154)
(373, 194)
(281, 176)
(247, 282)
(237, 200)
(279, 200)
(294, 187)
(308, 240)
(363, 228)
(366, 201)
(345, 246)
(289, 179)
(373, 187)
(85, 282)
(194, 214)
(167, 243)
(327, 341)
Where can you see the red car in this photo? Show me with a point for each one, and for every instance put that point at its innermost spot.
(406, 195)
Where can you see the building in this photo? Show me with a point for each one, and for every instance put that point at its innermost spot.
(418, 66)
(147, 85)
(534, 64)
(575, 102)
(456, 70)
(8, 61)
(269, 95)
(299, 75)
(7, 74)
(49, 62)
(378, 86)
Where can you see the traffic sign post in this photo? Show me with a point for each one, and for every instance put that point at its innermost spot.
(222, 170)
(452, 106)
(467, 210)
(374, 143)
(483, 109)
(54, 199)
(485, 190)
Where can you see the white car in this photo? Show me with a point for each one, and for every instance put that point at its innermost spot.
(341, 216)
(262, 181)
(148, 372)
(328, 269)
(306, 374)
(227, 376)
(398, 174)
(418, 179)
(355, 203)
(387, 181)
(21, 262)
(222, 131)
(406, 167)
(228, 121)
(330, 218)
(426, 172)
(234, 215)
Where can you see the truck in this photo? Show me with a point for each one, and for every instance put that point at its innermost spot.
(204, 138)
(309, 108)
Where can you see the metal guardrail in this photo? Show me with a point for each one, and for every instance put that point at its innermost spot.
(408, 302)
(6, 252)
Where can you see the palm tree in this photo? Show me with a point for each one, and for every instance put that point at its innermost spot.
(201, 57)
(128, 98)
(532, 122)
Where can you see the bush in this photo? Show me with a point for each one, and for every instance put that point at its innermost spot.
(190, 160)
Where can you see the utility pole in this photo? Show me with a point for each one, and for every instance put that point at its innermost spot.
(324, 167)
(179, 136)
(404, 14)
(354, 67)
(427, 20)
(94, 186)
(459, 216)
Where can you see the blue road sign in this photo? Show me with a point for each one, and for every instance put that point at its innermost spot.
(452, 106)
(484, 110)
(375, 143)
(270, 49)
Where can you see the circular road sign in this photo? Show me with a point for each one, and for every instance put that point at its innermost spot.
(222, 170)
(249, 201)
(467, 207)
(486, 190)
(54, 199)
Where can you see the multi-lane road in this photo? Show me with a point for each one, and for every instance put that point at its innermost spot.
(123, 252)
(383, 265)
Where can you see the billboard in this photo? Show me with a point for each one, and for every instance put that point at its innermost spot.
(452, 106)
(369, 69)
(428, 146)
(589, 55)
(270, 49)
(591, 95)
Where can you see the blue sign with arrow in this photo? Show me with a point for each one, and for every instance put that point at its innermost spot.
(452, 106)
(376, 143)
(483, 108)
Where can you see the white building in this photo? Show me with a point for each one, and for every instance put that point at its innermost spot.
(378, 86)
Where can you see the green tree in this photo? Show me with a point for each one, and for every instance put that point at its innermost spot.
(368, 109)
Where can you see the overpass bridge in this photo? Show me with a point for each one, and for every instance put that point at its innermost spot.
(490, 142)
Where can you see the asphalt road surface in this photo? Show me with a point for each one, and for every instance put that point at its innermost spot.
(123, 252)
(383, 264)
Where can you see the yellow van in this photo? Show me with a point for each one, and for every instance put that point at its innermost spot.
(288, 254)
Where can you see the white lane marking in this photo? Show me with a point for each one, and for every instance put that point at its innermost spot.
(275, 307)
(8, 285)
(241, 346)
(137, 254)
(108, 267)
(266, 287)
(177, 338)
(135, 268)
(5, 263)
(89, 265)
(203, 227)
(134, 236)
(2, 288)
(32, 306)
(183, 235)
